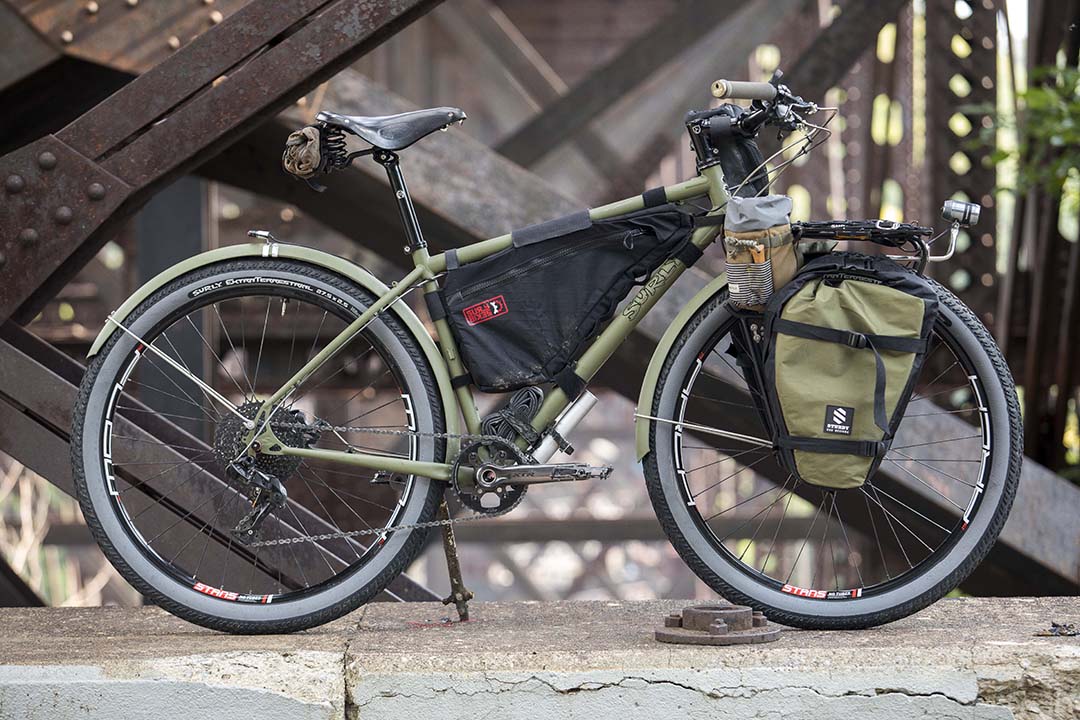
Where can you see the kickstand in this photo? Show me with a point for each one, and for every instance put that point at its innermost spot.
(459, 595)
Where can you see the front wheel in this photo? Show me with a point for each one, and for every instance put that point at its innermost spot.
(154, 451)
(820, 558)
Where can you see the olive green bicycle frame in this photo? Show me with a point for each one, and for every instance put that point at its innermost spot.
(708, 185)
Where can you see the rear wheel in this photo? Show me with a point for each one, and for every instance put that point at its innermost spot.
(152, 448)
(814, 557)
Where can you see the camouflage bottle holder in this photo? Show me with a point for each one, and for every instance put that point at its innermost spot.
(759, 262)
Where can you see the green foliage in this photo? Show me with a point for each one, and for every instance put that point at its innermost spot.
(1048, 132)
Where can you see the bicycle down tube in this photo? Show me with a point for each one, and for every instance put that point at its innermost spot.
(708, 185)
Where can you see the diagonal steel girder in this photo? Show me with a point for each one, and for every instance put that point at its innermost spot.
(452, 179)
(38, 385)
(65, 192)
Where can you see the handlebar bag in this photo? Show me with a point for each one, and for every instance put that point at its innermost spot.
(846, 339)
(759, 249)
(523, 315)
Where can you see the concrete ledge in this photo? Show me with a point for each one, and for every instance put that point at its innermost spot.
(971, 658)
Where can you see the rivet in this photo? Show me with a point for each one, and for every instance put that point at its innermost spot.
(132, 3)
(207, 2)
(67, 37)
(216, 17)
(28, 236)
(46, 160)
(174, 42)
(92, 8)
(95, 191)
(15, 184)
(63, 215)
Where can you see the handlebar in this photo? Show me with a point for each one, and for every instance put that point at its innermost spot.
(739, 90)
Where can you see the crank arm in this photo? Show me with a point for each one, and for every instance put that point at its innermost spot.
(492, 476)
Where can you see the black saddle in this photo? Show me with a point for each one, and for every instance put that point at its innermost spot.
(395, 132)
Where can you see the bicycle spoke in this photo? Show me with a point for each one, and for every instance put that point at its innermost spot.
(767, 509)
(322, 483)
(927, 485)
(935, 442)
(890, 517)
(262, 341)
(726, 458)
(739, 504)
(776, 533)
(904, 504)
(213, 352)
(851, 553)
(241, 358)
(802, 547)
(877, 538)
(721, 482)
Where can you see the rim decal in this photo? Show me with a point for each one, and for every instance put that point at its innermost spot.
(822, 594)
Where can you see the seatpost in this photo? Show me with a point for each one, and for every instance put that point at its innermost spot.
(413, 236)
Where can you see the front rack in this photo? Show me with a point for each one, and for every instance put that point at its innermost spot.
(907, 237)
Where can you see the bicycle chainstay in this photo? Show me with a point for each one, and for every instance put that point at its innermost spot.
(342, 534)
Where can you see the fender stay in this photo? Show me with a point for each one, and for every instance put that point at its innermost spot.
(660, 355)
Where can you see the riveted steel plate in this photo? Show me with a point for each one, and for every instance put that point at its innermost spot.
(53, 199)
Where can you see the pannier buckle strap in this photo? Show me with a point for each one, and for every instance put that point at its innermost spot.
(856, 340)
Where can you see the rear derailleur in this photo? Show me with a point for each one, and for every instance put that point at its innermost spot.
(265, 493)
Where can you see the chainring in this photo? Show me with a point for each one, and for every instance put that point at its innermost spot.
(501, 453)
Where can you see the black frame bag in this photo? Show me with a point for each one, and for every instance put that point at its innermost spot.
(847, 338)
(523, 315)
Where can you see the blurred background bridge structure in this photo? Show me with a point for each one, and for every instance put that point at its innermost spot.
(135, 134)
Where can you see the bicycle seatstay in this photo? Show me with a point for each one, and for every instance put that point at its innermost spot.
(708, 185)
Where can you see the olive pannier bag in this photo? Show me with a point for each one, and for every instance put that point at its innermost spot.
(523, 315)
(846, 339)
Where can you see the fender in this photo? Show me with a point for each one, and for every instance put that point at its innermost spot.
(660, 355)
(333, 263)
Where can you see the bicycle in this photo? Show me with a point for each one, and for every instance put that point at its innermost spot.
(270, 481)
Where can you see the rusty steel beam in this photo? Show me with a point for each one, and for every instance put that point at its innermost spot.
(976, 261)
(38, 385)
(14, 592)
(66, 191)
(131, 37)
(485, 34)
(25, 50)
(640, 59)
(839, 46)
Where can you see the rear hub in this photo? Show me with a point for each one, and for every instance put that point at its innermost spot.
(230, 440)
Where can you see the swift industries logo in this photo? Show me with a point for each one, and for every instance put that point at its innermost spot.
(838, 419)
(487, 310)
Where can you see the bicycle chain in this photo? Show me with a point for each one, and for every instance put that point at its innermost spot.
(343, 534)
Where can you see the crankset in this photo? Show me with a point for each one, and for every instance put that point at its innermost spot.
(501, 473)
(495, 454)
(489, 476)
